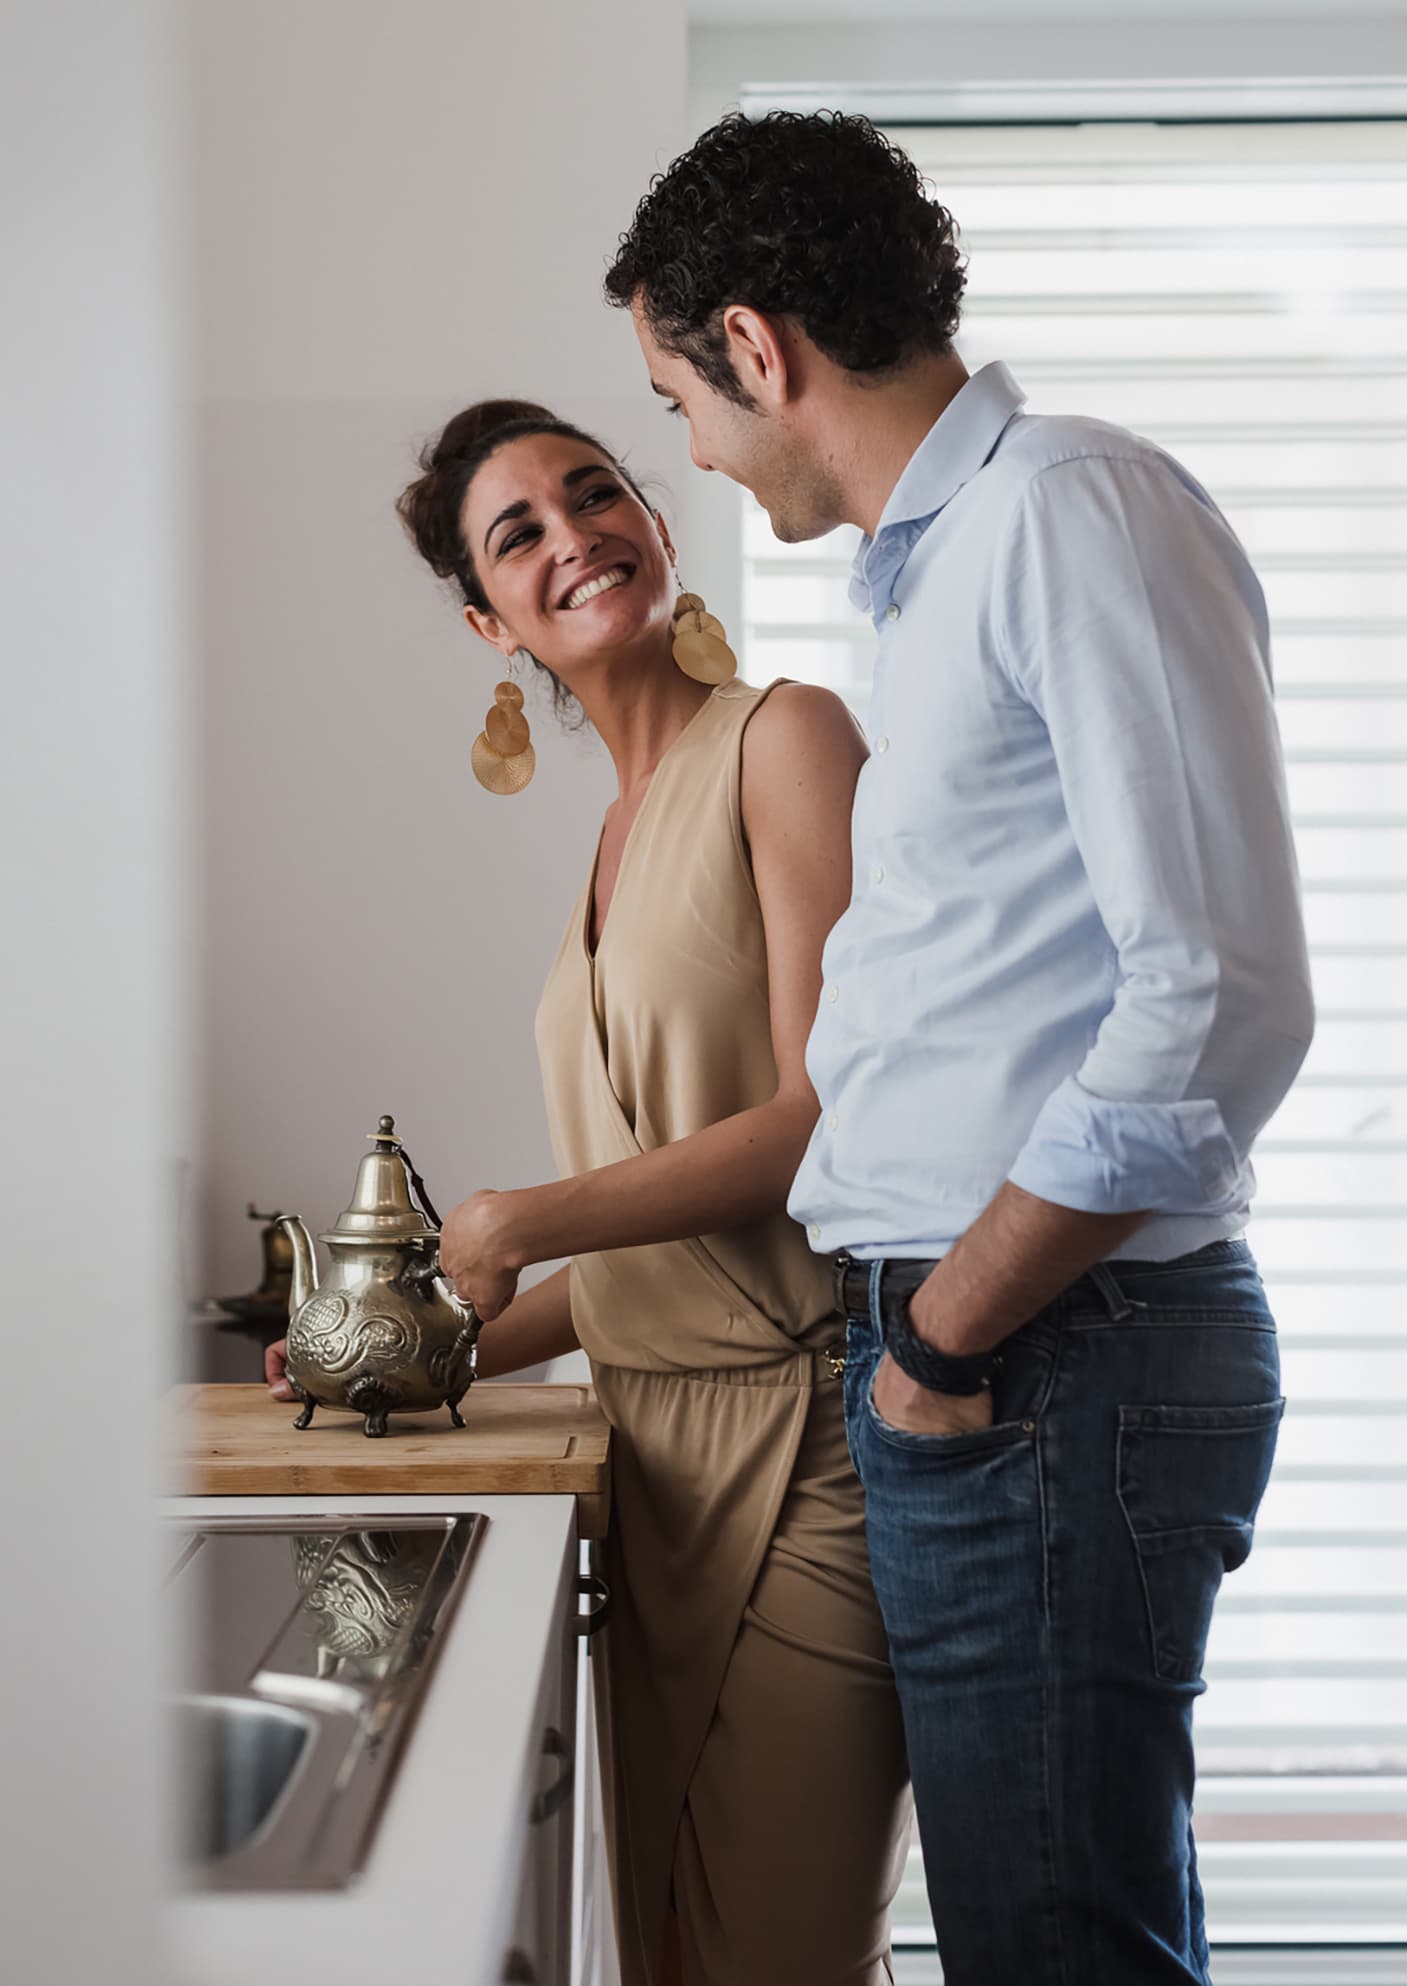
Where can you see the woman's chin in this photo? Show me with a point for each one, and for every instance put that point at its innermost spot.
(611, 625)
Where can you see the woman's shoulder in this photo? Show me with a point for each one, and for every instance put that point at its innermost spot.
(802, 753)
(787, 717)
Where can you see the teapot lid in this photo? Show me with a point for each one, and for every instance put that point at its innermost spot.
(382, 1206)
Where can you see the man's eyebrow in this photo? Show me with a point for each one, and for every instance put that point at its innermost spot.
(663, 391)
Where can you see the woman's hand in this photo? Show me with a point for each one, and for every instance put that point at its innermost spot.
(276, 1370)
(475, 1253)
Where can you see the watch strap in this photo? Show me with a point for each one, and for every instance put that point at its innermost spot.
(940, 1372)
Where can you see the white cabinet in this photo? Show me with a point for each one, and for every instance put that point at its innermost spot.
(470, 1877)
(539, 1951)
(594, 1961)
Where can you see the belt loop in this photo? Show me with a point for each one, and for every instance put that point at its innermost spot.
(876, 1279)
(1115, 1302)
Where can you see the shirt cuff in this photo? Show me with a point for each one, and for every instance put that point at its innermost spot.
(1127, 1158)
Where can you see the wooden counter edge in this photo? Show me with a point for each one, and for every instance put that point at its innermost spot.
(215, 1470)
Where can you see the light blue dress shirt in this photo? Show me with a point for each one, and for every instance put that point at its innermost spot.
(1074, 955)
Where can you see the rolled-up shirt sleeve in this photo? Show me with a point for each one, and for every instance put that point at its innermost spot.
(1134, 626)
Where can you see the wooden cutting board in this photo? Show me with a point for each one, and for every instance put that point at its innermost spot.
(519, 1441)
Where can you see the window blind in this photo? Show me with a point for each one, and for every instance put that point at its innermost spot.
(1238, 293)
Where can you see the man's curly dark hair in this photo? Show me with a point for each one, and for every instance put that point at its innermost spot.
(814, 217)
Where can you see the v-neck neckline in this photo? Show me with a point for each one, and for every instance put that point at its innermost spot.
(591, 952)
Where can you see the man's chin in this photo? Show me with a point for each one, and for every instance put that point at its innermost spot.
(789, 529)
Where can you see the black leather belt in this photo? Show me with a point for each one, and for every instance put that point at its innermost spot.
(852, 1286)
(851, 1281)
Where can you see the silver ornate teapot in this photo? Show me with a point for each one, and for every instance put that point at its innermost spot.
(384, 1333)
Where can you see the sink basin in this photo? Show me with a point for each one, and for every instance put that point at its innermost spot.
(311, 1642)
(235, 1761)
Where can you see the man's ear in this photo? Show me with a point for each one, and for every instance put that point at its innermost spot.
(490, 628)
(757, 348)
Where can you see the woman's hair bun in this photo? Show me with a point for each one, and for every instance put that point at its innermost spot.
(465, 437)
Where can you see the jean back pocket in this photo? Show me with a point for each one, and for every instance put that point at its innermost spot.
(1190, 1480)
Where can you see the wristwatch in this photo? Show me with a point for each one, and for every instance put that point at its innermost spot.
(940, 1372)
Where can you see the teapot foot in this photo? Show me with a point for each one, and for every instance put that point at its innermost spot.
(375, 1400)
(454, 1412)
(305, 1419)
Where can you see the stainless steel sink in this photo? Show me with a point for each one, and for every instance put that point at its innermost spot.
(311, 1642)
(236, 1760)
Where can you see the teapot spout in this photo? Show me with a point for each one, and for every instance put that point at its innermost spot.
(305, 1268)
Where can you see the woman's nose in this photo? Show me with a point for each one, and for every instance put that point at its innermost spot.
(576, 538)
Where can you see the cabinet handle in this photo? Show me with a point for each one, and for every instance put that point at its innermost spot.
(554, 1745)
(591, 1586)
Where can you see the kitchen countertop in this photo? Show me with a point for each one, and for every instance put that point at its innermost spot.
(528, 1441)
(437, 1894)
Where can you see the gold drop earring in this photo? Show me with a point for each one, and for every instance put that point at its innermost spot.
(502, 757)
(700, 646)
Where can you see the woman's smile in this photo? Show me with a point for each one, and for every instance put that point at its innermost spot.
(605, 580)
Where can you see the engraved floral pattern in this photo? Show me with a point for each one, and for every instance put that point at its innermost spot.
(326, 1337)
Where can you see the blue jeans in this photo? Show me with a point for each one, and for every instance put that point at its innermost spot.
(1047, 1585)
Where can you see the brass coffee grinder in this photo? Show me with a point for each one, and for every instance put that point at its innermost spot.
(385, 1332)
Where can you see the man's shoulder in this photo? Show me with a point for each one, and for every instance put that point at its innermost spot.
(1033, 443)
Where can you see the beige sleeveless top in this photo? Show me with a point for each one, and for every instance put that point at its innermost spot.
(706, 1354)
(664, 1032)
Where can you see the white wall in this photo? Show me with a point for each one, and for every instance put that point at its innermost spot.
(399, 209)
(91, 746)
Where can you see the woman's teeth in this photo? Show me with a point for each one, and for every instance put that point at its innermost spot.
(617, 576)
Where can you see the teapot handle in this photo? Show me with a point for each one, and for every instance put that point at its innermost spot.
(417, 1187)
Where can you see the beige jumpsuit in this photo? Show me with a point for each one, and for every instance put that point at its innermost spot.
(752, 1750)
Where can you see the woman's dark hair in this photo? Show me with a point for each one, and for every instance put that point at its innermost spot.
(431, 508)
(815, 217)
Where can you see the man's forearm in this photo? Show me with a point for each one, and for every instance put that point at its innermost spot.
(1019, 1253)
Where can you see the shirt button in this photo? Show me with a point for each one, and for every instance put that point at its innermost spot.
(832, 994)
(814, 1232)
(833, 1121)
(881, 744)
(891, 612)
(877, 873)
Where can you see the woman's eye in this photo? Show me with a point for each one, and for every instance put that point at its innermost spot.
(514, 539)
(606, 490)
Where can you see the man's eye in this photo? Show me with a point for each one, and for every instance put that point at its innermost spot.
(673, 407)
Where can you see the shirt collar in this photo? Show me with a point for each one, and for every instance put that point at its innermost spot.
(961, 439)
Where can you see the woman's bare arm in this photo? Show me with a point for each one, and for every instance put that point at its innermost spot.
(535, 1327)
(801, 757)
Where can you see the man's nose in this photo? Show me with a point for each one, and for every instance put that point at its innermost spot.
(700, 459)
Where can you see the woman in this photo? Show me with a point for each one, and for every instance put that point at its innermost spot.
(751, 1742)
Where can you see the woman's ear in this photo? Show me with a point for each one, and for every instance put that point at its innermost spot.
(665, 538)
(490, 628)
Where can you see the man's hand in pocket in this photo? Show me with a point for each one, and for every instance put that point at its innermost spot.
(901, 1403)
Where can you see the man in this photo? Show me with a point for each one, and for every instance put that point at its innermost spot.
(1070, 988)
